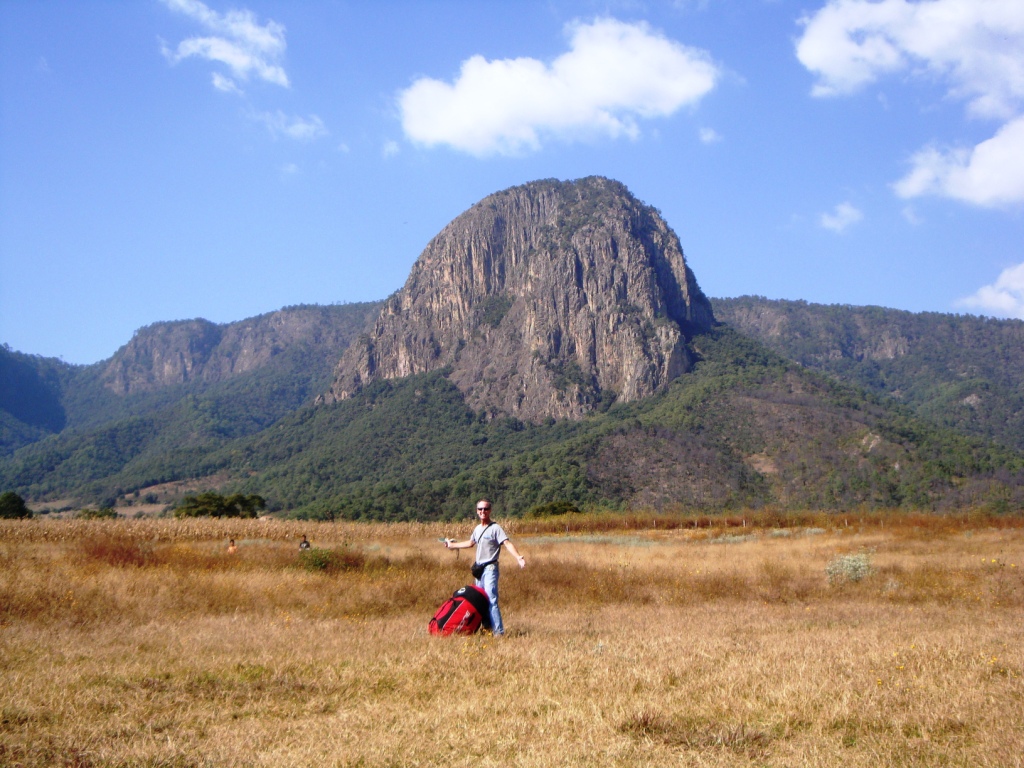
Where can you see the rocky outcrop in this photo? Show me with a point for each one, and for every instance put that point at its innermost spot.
(545, 300)
(827, 332)
(165, 354)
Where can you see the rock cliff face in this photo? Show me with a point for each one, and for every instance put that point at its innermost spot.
(164, 354)
(827, 333)
(544, 300)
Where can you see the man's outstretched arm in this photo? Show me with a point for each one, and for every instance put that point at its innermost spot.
(515, 553)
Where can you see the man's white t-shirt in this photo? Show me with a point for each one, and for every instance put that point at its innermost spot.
(488, 540)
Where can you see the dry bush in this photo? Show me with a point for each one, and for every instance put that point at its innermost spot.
(114, 548)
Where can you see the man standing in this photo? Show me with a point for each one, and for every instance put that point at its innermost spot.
(488, 537)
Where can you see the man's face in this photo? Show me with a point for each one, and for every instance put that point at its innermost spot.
(483, 511)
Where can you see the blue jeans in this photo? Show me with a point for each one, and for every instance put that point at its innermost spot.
(489, 584)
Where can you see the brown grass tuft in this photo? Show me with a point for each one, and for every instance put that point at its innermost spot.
(695, 734)
(115, 549)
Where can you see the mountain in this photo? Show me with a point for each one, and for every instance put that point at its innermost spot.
(31, 390)
(546, 300)
(169, 354)
(744, 428)
(549, 345)
(959, 371)
(178, 388)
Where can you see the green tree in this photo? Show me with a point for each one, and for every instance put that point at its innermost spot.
(12, 507)
(210, 504)
(103, 513)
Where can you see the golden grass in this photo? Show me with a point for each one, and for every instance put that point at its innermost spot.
(142, 643)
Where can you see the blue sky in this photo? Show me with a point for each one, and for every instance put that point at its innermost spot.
(170, 159)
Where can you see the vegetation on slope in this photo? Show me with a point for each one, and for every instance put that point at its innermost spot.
(44, 396)
(30, 395)
(746, 428)
(959, 371)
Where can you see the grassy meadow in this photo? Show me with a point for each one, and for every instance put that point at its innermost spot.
(882, 639)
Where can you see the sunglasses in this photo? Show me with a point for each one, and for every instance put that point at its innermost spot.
(482, 509)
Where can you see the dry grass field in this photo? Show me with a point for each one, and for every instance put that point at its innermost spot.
(632, 641)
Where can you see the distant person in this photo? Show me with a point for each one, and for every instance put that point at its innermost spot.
(304, 544)
(488, 538)
(231, 547)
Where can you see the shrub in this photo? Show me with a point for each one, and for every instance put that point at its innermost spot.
(12, 506)
(118, 550)
(849, 568)
(331, 560)
(212, 504)
(103, 513)
(553, 508)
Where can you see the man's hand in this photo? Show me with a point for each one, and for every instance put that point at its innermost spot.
(522, 561)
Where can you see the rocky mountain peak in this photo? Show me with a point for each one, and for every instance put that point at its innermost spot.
(544, 300)
(170, 353)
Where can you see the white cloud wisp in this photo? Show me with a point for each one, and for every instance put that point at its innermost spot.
(237, 41)
(990, 174)
(975, 47)
(613, 74)
(844, 216)
(1004, 297)
(303, 129)
(709, 136)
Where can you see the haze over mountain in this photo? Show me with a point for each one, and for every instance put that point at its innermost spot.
(550, 345)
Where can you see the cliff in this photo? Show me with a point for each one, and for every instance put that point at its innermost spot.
(546, 300)
(169, 353)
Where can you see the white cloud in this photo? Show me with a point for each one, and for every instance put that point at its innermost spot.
(390, 148)
(613, 74)
(974, 47)
(709, 136)
(977, 46)
(226, 84)
(302, 129)
(990, 174)
(238, 41)
(844, 215)
(911, 216)
(1004, 297)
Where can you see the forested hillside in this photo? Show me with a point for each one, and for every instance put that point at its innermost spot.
(746, 428)
(102, 422)
(960, 371)
(31, 397)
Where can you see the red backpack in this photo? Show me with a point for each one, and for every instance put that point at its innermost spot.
(463, 613)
